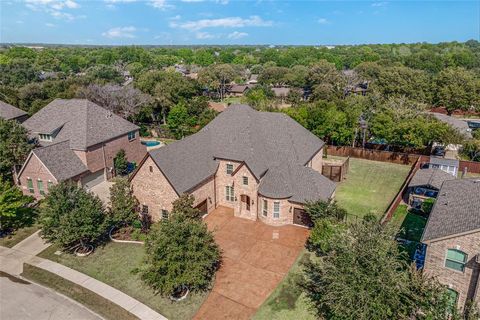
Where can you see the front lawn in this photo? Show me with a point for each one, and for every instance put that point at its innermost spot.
(113, 264)
(370, 186)
(287, 300)
(18, 236)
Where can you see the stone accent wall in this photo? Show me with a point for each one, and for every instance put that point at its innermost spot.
(250, 190)
(35, 170)
(152, 188)
(94, 156)
(462, 282)
(205, 191)
(223, 179)
(317, 162)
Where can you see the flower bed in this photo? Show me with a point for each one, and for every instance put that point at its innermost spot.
(127, 234)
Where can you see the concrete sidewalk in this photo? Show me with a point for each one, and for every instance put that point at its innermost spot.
(12, 260)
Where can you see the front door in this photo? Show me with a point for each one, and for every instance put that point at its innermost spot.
(245, 201)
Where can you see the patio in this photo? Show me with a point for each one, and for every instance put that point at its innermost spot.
(256, 258)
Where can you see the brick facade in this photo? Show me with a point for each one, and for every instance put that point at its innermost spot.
(466, 283)
(35, 170)
(151, 188)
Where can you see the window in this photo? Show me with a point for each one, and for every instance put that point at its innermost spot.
(144, 209)
(151, 169)
(30, 185)
(131, 135)
(229, 168)
(164, 214)
(49, 184)
(245, 181)
(452, 299)
(45, 137)
(456, 260)
(265, 208)
(229, 193)
(276, 209)
(40, 187)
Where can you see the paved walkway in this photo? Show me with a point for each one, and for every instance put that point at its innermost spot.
(256, 258)
(11, 262)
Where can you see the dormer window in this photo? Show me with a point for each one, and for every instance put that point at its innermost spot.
(45, 137)
(131, 136)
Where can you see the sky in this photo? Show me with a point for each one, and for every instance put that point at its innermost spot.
(250, 22)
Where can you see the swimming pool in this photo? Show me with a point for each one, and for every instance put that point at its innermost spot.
(151, 143)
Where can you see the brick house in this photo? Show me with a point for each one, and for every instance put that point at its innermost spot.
(264, 165)
(78, 141)
(452, 236)
(9, 112)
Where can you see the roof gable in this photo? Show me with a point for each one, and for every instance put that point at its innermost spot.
(9, 112)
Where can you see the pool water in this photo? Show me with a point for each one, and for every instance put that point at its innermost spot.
(151, 143)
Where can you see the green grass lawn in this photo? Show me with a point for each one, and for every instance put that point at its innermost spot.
(287, 301)
(370, 186)
(113, 264)
(410, 227)
(18, 236)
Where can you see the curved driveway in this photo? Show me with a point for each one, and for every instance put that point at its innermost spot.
(22, 300)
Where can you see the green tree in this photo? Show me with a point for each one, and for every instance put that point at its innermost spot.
(471, 150)
(322, 209)
(180, 122)
(71, 216)
(456, 88)
(13, 205)
(120, 163)
(179, 252)
(362, 275)
(14, 147)
(216, 78)
(123, 203)
(183, 206)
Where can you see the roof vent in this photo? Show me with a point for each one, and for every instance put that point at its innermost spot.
(109, 114)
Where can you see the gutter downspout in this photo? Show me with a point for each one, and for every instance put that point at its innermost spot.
(104, 162)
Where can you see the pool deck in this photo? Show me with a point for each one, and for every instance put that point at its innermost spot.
(161, 144)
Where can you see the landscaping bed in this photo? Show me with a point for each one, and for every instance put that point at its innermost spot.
(91, 300)
(113, 264)
(370, 186)
(18, 236)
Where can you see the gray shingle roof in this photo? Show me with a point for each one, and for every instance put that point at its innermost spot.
(265, 141)
(60, 160)
(430, 177)
(457, 209)
(444, 161)
(10, 112)
(80, 121)
(460, 125)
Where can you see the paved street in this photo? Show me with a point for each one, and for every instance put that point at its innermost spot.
(21, 300)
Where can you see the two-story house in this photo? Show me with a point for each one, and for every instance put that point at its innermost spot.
(263, 165)
(452, 236)
(78, 141)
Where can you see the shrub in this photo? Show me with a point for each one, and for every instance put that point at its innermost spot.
(120, 163)
(13, 206)
(71, 216)
(123, 203)
(179, 252)
(322, 209)
(184, 206)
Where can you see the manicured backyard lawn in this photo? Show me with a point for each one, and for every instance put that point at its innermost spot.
(370, 186)
(410, 227)
(17, 236)
(287, 301)
(113, 264)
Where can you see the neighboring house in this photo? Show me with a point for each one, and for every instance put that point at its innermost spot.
(79, 141)
(10, 112)
(448, 165)
(264, 165)
(253, 79)
(217, 106)
(425, 185)
(237, 90)
(452, 236)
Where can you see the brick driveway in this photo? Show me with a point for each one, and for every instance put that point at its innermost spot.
(256, 257)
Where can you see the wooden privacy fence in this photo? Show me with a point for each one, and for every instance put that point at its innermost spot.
(470, 166)
(399, 197)
(371, 154)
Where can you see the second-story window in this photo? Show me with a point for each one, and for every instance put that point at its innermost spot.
(456, 260)
(131, 135)
(229, 168)
(245, 181)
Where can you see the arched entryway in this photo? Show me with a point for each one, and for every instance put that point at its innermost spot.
(245, 203)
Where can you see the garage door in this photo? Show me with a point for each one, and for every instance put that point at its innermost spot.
(203, 206)
(93, 179)
(301, 218)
